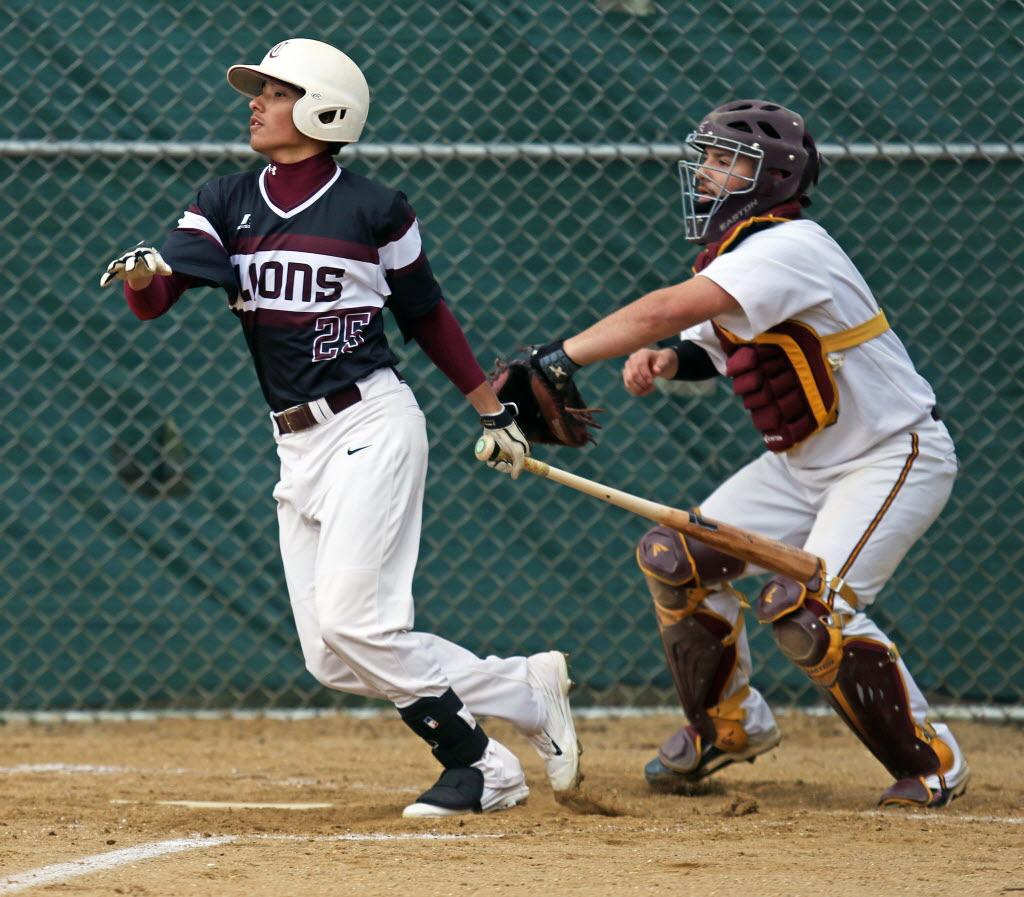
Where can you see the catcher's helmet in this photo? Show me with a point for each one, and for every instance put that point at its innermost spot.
(335, 97)
(775, 139)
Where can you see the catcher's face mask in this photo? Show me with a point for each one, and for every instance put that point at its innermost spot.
(722, 168)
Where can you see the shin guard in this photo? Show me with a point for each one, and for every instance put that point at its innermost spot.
(860, 677)
(700, 646)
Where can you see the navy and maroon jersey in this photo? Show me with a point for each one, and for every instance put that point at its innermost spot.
(308, 284)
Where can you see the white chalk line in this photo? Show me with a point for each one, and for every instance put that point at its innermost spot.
(64, 768)
(225, 804)
(293, 782)
(84, 769)
(61, 872)
(375, 836)
(100, 862)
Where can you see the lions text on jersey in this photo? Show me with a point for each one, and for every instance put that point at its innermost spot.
(308, 284)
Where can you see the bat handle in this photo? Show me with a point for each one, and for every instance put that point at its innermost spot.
(487, 449)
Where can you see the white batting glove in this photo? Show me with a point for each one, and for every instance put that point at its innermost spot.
(502, 427)
(137, 267)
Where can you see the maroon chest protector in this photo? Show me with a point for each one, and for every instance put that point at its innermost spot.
(785, 382)
(782, 375)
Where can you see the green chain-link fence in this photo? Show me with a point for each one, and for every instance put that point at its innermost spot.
(537, 142)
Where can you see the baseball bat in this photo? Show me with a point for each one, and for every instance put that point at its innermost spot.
(778, 557)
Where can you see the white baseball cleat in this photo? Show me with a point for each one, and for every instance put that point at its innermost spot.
(495, 782)
(556, 743)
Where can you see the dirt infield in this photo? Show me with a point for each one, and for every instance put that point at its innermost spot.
(81, 813)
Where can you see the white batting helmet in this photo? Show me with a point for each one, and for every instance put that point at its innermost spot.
(336, 100)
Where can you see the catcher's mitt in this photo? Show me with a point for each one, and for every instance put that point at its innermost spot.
(546, 414)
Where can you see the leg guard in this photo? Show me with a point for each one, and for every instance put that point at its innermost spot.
(860, 677)
(699, 645)
(453, 741)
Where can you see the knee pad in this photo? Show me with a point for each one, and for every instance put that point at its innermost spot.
(679, 570)
(860, 677)
(803, 626)
(700, 646)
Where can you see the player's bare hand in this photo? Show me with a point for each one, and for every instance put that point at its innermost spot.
(502, 427)
(137, 267)
(645, 366)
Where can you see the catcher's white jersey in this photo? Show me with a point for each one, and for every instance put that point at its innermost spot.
(796, 271)
(858, 493)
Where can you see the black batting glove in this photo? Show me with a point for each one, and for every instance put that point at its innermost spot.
(554, 364)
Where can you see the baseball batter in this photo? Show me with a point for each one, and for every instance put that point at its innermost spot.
(309, 254)
(858, 463)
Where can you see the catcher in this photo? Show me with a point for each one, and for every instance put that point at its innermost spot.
(857, 463)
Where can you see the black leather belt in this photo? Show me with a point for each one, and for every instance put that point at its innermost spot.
(935, 413)
(301, 417)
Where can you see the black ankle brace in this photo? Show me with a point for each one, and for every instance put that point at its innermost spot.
(453, 741)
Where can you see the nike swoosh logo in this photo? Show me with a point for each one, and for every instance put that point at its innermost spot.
(353, 451)
(554, 744)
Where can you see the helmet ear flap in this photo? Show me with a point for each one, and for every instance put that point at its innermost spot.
(331, 116)
(813, 167)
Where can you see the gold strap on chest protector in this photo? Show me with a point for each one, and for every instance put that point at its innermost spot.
(854, 336)
(831, 342)
(786, 336)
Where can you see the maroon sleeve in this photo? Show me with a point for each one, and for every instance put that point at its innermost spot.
(159, 296)
(441, 337)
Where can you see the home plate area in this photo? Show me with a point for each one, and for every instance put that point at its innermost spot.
(254, 807)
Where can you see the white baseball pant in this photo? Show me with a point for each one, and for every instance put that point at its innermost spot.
(349, 506)
(861, 518)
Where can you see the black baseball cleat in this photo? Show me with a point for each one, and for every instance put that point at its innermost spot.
(457, 791)
(679, 763)
(461, 791)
